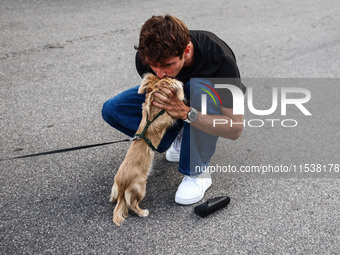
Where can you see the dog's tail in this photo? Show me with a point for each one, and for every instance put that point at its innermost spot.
(121, 210)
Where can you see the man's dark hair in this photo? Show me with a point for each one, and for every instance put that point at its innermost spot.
(162, 37)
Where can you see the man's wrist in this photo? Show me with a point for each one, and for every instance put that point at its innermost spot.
(186, 112)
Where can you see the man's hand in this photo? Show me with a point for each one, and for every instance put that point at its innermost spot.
(167, 100)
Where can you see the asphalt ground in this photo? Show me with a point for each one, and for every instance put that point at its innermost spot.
(61, 60)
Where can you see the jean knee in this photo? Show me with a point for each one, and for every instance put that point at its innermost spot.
(108, 111)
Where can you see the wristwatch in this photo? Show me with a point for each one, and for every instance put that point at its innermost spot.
(192, 115)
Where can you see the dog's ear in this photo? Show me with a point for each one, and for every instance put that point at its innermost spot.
(179, 88)
(148, 79)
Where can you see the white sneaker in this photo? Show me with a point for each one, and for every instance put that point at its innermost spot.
(192, 189)
(173, 153)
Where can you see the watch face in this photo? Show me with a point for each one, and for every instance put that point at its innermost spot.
(192, 116)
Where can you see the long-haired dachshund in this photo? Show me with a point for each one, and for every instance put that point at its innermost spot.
(130, 181)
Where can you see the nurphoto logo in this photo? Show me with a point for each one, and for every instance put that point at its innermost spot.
(239, 105)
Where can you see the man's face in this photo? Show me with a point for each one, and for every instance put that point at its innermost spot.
(170, 68)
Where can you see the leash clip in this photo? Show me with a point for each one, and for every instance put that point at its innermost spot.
(134, 138)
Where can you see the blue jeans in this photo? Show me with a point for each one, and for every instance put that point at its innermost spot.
(124, 113)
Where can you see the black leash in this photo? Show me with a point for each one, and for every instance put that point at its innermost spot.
(136, 137)
(70, 149)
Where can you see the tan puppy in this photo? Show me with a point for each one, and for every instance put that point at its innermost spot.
(130, 181)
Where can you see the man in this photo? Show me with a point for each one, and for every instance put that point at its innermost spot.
(168, 49)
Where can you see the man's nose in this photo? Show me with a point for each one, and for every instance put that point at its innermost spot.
(160, 73)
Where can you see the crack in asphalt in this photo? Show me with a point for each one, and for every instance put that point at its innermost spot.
(61, 45)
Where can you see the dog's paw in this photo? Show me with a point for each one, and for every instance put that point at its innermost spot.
(143, 213)
(118, 221)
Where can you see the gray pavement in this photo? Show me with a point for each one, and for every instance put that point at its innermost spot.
(61, 60)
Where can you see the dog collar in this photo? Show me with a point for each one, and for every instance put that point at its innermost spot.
(148, 122)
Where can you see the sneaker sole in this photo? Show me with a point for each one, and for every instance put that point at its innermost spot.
(188, 201)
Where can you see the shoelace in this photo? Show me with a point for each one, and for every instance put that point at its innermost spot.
(187, 178)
